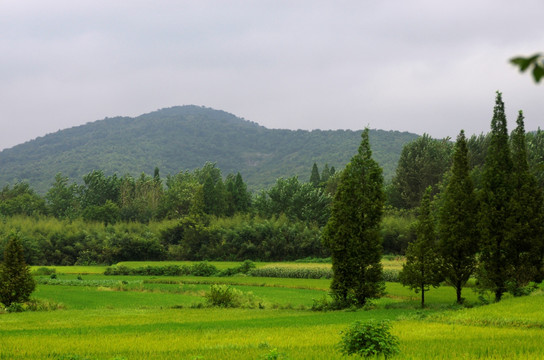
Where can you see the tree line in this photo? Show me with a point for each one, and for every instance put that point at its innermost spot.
(493, 232)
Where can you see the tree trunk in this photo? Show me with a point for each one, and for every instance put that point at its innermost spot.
(422, 297)
(458, 289)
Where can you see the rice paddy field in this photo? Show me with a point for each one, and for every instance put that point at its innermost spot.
(160, 317)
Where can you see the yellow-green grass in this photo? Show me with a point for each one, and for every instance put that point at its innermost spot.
(247, 334)
(96, 269)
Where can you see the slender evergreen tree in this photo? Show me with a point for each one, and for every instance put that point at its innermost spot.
(16, 282)
(458, 221)
(314, 177)
(497, 188)
(422, 267)
(526, 222)
(352, 232)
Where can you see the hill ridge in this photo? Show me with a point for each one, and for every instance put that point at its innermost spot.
(184, 138)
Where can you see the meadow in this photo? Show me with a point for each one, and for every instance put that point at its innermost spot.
(162, 317)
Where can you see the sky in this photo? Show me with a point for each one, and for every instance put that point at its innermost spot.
(423, 66)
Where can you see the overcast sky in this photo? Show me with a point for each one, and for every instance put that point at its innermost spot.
(419, 66)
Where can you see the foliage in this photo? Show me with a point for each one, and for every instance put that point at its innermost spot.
(458, 224)
(352, 232)
(422, 163)
(298, 201)
(226, 296)
(16, 282)
(422, 267)
(397, 230)
(369, 339)
(536, 62)
(21, 200)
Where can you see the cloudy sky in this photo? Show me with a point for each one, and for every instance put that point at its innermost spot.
(411, 65)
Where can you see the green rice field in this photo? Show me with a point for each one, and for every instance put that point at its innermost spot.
(146, 317)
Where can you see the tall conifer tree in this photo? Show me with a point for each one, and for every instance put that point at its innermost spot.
(422, 267)
(352, 232)
(16, 282)
(458, 219)
(526, 222)
(497, 188)
(314, 177)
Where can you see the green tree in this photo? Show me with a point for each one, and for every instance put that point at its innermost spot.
(353, 231)
(314, 177)
(458, 220)
(325, 174)
(422, 267)
(21, 200)
(239, 199)
(182, 197)
(497, 189)
(16, 282)
(298, 201)
(526, 221)
(213, 188)
(422, 163)
(62, 198)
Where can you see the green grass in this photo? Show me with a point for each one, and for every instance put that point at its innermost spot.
(154, 320)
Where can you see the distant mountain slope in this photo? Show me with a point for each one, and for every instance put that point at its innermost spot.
(185, 137)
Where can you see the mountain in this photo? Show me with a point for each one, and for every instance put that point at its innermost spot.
(184, 138)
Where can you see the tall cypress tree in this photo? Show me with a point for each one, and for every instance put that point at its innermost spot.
(458, 219)
(352, 232)
(497, 188)
(526, 221)
(314, 177)
(422, 267)
(16, 282)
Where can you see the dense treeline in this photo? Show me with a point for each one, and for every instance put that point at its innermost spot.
(50, 241)
(203, 215)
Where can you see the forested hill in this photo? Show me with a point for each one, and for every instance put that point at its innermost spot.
(185, 138)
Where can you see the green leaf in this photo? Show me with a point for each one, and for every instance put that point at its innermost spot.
(522, 63)
(538, 73)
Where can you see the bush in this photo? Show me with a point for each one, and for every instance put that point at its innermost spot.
(15, 307)
(203, 269)
(369, 339)
(228, 297)
(44, 271)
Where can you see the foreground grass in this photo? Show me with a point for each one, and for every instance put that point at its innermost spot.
(153, 318)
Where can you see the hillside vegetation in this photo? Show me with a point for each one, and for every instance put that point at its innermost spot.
(185, 138)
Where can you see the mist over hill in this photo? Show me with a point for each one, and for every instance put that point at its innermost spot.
(185, 138)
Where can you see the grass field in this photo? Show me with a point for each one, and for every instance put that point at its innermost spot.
(144, 317)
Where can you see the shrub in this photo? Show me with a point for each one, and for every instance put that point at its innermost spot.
(228, 297)
(203, 269)
(44, 271)
(15, 307)
(16, 281)
(369, 339)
